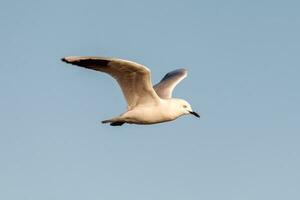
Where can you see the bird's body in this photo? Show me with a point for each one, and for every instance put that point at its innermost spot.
(146, 104)
(163, 111)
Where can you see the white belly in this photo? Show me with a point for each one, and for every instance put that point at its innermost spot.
(149, 115)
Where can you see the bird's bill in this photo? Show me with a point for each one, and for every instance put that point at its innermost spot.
(195, 114)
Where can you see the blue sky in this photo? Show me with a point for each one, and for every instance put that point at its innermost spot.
(243, 63)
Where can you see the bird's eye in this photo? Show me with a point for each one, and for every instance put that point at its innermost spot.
(184, 106)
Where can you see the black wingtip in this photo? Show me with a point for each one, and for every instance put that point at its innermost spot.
(64, 60)
(86, 62)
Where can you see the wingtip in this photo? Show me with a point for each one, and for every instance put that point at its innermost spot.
(181, 70)
(184, 70)
(68, 59)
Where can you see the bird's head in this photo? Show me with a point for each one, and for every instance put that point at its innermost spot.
(186, 108)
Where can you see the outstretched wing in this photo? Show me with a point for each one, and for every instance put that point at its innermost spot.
(133, 78)
(166, 86)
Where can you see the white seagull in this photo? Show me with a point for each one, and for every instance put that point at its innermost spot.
(146, 104)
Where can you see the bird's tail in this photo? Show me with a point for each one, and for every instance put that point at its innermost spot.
(116, 121)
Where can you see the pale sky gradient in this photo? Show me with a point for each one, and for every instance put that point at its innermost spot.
(244, 68)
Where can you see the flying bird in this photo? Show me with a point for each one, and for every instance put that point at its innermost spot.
(146, 104)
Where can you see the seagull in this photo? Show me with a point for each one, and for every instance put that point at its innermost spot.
(146, 104)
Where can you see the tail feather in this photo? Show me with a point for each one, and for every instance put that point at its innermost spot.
(107, 121)
(117, 123)
(114, 122)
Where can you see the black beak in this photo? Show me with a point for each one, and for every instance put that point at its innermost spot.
(195, 114)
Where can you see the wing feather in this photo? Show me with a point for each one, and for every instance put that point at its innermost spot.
(133, 78)
(166, 86)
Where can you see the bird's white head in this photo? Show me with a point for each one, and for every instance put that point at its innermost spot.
(185, 108)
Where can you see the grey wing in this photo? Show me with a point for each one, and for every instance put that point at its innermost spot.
(133, 78)
(166, 86)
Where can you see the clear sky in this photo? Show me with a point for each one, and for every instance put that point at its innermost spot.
(244, 67)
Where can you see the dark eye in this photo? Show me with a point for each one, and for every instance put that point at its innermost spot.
(184, 106)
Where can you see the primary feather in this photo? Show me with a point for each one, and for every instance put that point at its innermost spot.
(133, 78)
(165, 87)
